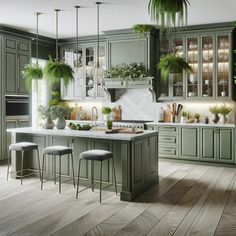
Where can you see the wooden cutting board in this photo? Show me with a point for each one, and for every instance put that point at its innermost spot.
(167, 115)
(123, 131)
(129, 131)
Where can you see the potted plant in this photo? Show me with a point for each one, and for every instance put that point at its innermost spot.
(142, 29)
(106, 111)
(171, 63)
(46, 113)
(60, 113)
(55, 70)
(168, 13)
(215, 110)
(225, 110)
(197, 117)
(31, 72)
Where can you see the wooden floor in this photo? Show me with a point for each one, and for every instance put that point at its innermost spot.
(190, 199)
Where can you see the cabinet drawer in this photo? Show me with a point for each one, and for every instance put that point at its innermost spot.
(168, 151)
(167, 129)
(168, 139)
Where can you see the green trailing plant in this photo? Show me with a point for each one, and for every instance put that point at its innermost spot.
(106, 110)
(168, 13)
(31, 72)
(225, 110)
(171, 63)
(56, 70)
(215, 110)
(142, 29)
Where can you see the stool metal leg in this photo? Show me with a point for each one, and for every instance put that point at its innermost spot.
(72, 165)
(92, 176)
(8, 163)
(114, 173)
(55, 169)
(77, 191)
(59, 173)
(22, 166)
(42, 172)
(101, 183)
(39, 164)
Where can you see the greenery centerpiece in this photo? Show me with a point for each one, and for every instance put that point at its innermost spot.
(126, 72)
(225, 110)
(106, 111)
(172, 63)
(215, 110)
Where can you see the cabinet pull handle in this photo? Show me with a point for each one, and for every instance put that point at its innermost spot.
(167, 150)
(167, 138)
(17, 79)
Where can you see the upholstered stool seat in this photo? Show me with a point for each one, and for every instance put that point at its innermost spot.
(23, 147)
(96, 155)
(56, 151)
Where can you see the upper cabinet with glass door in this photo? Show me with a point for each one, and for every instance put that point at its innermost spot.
(82, 62)
(210, 56)
(223, 64)
(193, 60)
(173, 88)
(207, 67)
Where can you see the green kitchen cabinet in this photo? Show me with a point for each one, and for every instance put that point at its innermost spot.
(208, 50)
(189, 142)
(217, 144)
(16, 54)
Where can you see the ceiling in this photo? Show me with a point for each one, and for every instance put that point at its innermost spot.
(114, 14)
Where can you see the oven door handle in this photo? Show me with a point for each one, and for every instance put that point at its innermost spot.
(17, 101)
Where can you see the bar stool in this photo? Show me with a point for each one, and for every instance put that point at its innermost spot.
(96, 155)
(55, 151)
(23, 147)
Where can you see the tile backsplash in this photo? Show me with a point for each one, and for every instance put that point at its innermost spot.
(137, 104)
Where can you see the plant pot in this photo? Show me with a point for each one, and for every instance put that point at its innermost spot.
(215, 118)
(49, 124)
(109, 124)
(60, 123)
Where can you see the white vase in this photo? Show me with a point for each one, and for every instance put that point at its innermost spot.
(60, 123)
(48, 124)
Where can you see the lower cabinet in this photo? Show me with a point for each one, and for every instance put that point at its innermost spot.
(196, 142)
(217, 144)
(189, 142)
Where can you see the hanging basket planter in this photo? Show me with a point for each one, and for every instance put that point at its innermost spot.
(31, 72)
(56, 70)
(168, 13)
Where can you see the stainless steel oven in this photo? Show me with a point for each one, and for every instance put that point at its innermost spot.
(17, 106)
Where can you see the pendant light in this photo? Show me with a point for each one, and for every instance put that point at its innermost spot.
(97, 72)
(58, 69)
(33, 71)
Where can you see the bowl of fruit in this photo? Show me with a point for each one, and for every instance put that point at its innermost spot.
(83, 127)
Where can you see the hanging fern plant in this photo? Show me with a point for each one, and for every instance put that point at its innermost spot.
(168, 13)
(56, 70)
(171, 63)
(31, 72)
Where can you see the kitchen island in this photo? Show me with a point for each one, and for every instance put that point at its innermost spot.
(136, 155)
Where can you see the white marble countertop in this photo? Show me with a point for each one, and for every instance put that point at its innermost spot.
(81, 134)
(192, 124)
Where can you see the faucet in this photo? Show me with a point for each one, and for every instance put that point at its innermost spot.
(94, 117)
